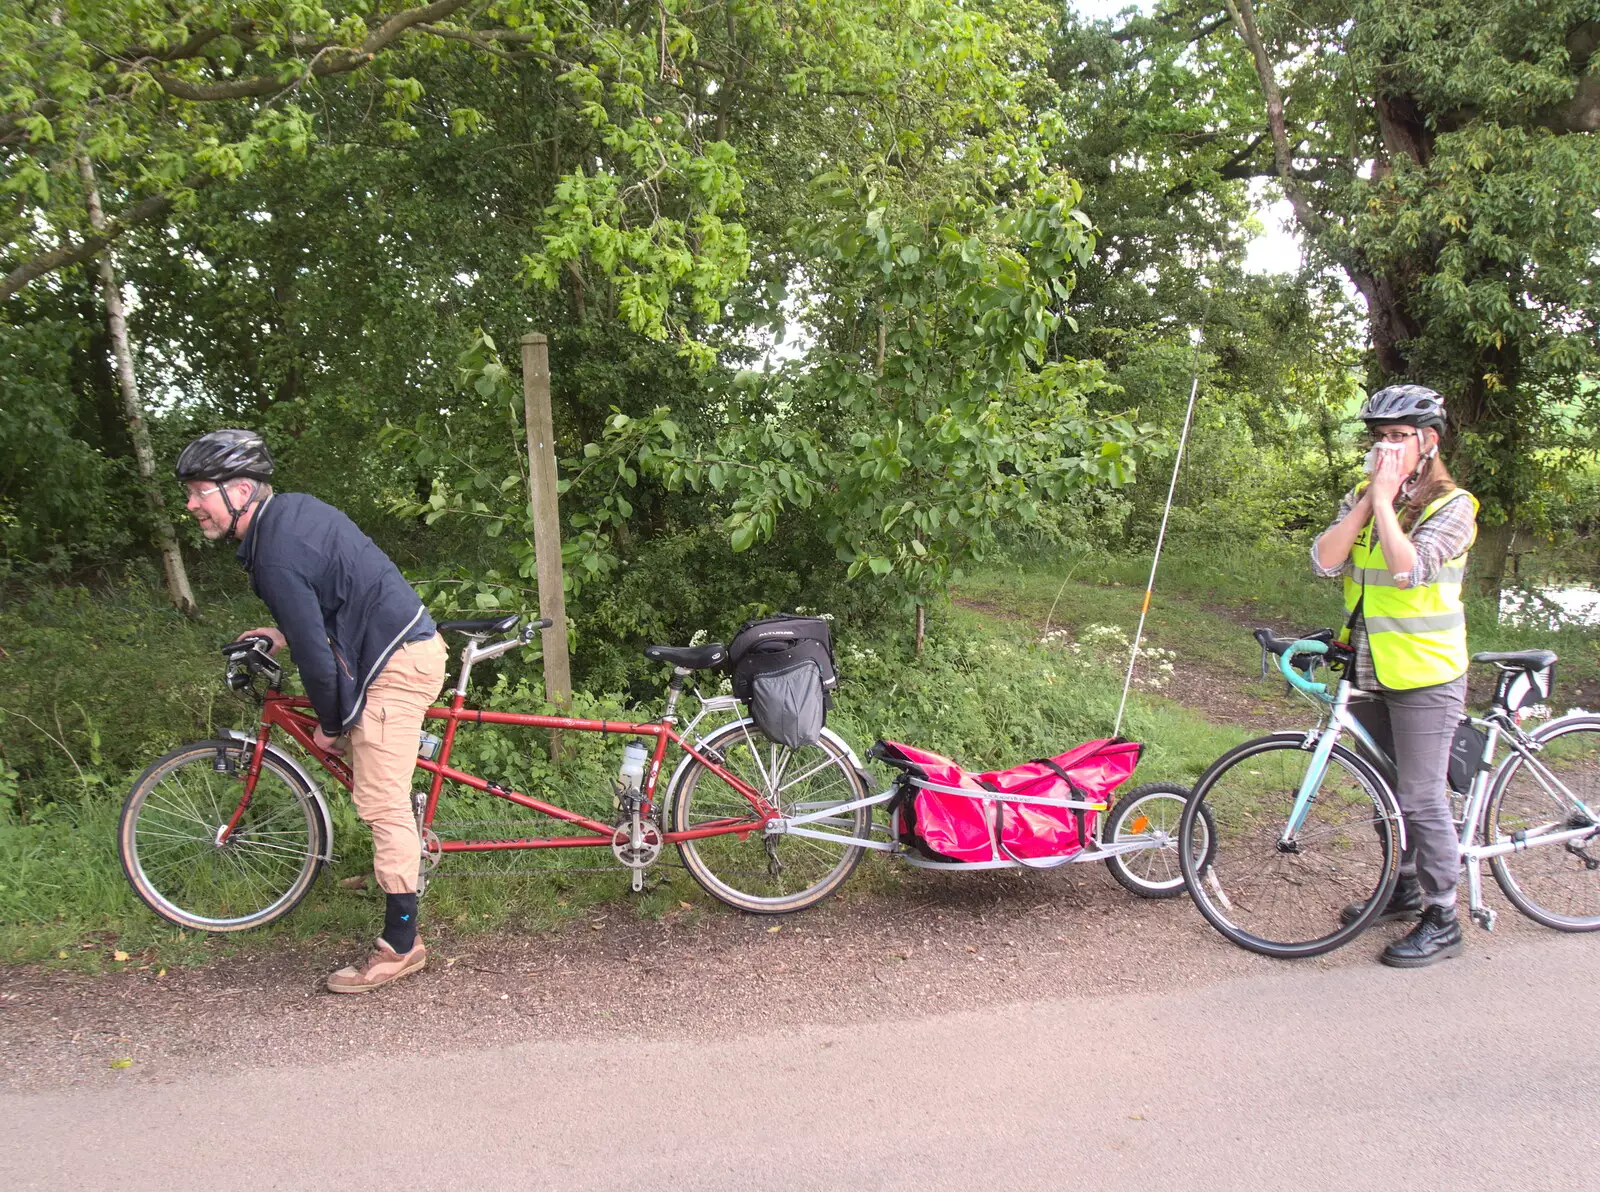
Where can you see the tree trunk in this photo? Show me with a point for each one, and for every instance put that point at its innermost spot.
(580, 308)
(922, 627)
(132, 409)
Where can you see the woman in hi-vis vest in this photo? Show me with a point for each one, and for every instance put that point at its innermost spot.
(1400, 543)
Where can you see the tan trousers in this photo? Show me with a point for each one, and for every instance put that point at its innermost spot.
(383, 753)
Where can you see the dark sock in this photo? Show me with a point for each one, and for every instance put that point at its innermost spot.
(400, 922)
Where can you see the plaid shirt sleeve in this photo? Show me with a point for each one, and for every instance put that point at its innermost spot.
(1439, 539)
(1317, 569)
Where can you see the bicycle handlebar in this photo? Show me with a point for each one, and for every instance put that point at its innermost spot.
(1296, 679)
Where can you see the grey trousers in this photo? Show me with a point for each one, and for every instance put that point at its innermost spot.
(1415, 728)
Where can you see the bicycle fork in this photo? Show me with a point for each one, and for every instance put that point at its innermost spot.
(1309, 785)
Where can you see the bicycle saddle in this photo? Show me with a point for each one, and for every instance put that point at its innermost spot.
(488, 625)
(1528, 659)
(706, 657)
(1277, 645)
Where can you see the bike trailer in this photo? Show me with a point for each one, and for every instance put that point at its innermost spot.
(783, 669)
(1040, 813)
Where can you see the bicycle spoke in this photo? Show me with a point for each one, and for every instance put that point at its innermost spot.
(187, 812)
(171, 853)
(1556, 883)
(764, 872)
(1286, 897)
(825, 764)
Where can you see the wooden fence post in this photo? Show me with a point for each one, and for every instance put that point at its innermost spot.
(546, 521)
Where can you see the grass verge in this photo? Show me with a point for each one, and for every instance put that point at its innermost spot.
(984, 692)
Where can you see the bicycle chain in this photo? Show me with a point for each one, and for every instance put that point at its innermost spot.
(537, 870)
(521, 871)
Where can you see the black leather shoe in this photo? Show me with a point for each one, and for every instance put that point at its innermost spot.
(1404, 903)
(1436, 938)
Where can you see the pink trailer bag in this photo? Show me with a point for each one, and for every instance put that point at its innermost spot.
(1040, 812)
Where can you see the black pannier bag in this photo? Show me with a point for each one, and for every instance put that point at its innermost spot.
(1466, 756)
(783, 669)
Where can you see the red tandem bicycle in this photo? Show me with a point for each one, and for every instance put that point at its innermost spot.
(230, 833)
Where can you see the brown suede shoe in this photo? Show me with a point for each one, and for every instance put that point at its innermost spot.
(383, 966)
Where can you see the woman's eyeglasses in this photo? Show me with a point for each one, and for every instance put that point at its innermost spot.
(1391, 436)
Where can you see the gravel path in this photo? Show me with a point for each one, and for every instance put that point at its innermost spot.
(941, 943)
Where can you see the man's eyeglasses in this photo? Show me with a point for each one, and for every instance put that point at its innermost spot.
(201, 493)
(1391, 436)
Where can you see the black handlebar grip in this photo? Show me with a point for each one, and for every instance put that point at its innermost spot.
(243, 645)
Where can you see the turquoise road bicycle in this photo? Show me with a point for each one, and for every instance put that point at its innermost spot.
(1306, 825)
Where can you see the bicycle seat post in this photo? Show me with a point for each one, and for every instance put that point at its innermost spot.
(674, 690)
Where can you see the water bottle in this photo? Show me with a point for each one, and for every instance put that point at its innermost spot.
(631, 776)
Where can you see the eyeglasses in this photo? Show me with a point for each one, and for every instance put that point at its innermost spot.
(201, 493)
(1391, 436)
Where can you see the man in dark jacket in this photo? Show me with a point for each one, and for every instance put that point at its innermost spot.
(369, 655)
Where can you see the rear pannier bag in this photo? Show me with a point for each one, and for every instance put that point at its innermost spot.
(783, 669)
(787, 704)
(978, 828)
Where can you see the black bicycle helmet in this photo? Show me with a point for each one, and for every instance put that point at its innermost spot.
(1409, 405)
(226, 455)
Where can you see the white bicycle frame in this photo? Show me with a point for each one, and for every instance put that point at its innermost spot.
(1499, 723)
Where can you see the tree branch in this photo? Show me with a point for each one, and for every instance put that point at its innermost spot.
(144, 211)
(320, 67)
(1244, 18)
(484, 40)
(189, 48)
(12, 132)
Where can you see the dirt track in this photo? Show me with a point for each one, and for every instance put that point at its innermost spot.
(943, 943)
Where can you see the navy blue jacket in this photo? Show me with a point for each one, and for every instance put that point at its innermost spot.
(341, 602)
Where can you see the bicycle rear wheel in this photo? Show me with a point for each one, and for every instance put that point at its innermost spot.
(1283, 897)
(1151, 814)
(769, 875)
(1554, 884)
(168, 839)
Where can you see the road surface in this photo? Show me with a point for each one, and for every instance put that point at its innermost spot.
(1479, 1073)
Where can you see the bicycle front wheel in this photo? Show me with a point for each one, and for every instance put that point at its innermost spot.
(1555, 884)
(172, 822)
(1280, 894)
(1149, 815)
(754, 871)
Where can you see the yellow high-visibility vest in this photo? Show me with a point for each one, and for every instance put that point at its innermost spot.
(1418, 636)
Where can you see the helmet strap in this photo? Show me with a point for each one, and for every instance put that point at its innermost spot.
(1422, 464)
(235, 514)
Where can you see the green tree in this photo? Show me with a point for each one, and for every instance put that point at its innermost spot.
(1444, 157)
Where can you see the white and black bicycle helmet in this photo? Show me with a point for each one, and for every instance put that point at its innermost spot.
(224, 455)
(1409, 405)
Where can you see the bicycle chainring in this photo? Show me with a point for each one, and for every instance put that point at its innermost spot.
(641, 855)
(432, 851)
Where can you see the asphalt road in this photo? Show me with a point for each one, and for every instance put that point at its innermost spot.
(1480, 1073)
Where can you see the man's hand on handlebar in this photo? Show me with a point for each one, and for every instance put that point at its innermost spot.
(275, 636)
